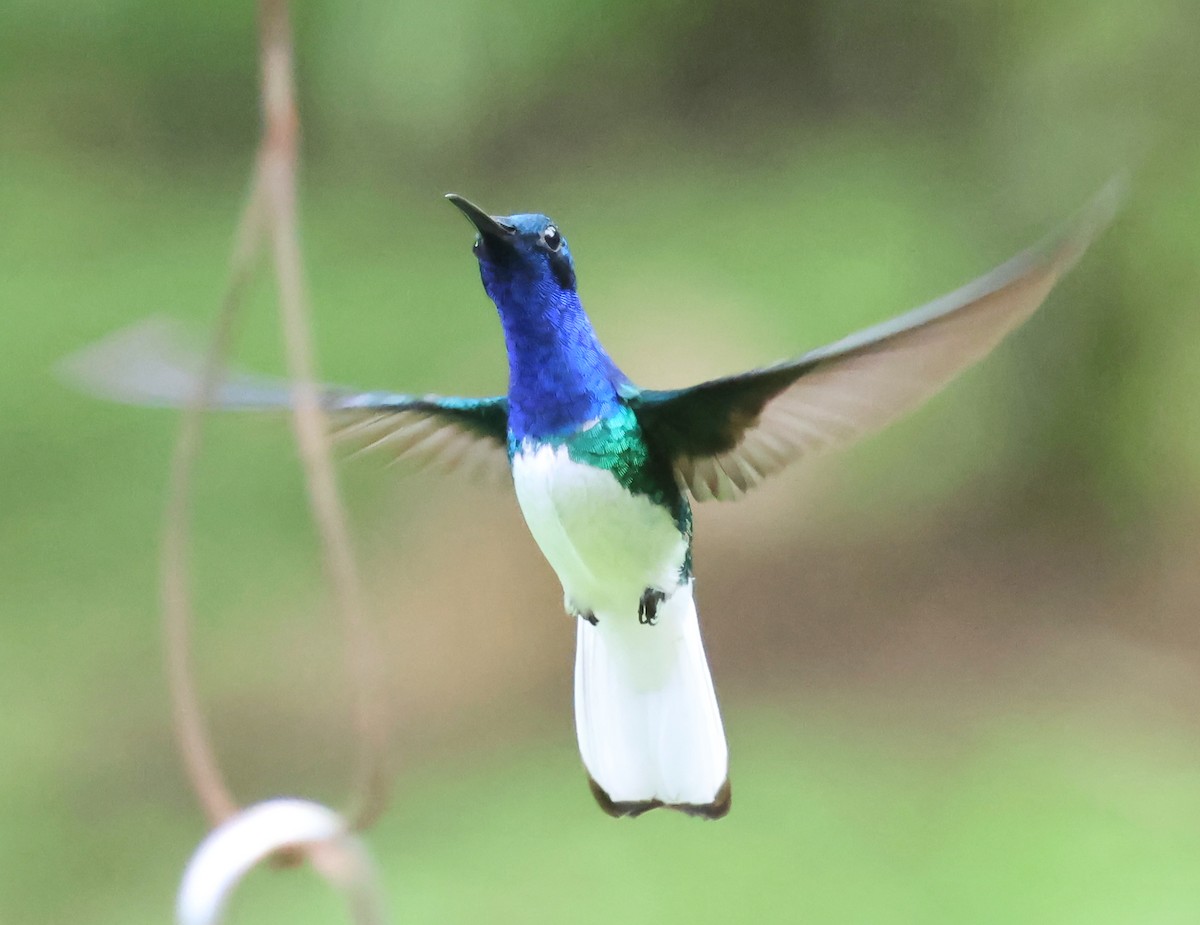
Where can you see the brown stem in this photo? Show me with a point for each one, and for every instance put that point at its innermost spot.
(277, 166)
(270, 214)
(191, 730)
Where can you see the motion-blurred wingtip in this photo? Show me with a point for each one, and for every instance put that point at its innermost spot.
(1087, 224)
(145, 363)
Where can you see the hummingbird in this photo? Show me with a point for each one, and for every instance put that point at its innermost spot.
(605, 472)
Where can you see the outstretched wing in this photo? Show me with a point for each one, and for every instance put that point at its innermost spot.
(154, 363)
(727, 435)
(455, 433)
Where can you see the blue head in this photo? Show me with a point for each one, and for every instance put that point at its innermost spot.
(559, 375)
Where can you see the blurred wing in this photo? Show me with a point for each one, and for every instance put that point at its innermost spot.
(468, 434)
(153, 363)
(727, 435)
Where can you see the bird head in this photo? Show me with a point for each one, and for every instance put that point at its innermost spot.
(518, 253)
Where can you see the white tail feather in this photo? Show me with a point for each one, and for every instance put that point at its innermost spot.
(646, 714)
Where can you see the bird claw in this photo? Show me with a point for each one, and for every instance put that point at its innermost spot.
(648, 606)
(578, 612)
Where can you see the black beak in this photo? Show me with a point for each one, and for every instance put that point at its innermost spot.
(489, 226)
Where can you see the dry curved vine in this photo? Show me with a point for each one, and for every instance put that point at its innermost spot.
(269, 222)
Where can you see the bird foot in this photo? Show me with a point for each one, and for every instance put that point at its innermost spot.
(648, 606)
(579, 612)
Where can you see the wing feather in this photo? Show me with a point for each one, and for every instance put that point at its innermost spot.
(155, 363)
(726, 435)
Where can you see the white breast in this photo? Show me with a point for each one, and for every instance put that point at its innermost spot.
(606, 544)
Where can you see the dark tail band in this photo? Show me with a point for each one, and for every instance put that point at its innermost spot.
(632, 808)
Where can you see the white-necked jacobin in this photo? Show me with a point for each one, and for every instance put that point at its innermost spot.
(603, 470)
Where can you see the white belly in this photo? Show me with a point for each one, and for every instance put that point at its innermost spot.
(605, 544)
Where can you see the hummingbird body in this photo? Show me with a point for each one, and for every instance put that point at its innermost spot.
(603, 470)
(607, 527)
(614, 526)
(646, 715)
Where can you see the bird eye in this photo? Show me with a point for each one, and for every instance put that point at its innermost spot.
(551, 238)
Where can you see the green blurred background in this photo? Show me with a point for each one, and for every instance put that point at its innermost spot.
(960, 662)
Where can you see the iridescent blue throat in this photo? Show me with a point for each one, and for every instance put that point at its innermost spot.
(560, 378)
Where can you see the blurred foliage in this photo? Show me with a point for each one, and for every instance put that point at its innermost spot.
(739, 181)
